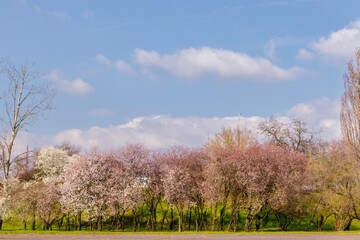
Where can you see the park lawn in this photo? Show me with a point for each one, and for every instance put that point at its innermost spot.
(14, 226)
(55, 232)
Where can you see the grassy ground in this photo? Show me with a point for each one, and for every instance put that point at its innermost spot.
(351, 232)
(300, 227)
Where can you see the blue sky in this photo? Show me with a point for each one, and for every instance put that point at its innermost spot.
(175, 72)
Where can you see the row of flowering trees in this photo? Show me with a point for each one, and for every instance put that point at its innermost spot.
(233, 182)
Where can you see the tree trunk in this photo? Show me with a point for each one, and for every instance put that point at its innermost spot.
(171, 223)
(203, 219)
(224, 204)
(68, 222)
(60, 222)
(197, 218)
(249, 220)
(152, 210)
(134, 220)
(123, 221)
(347, 227)
(236, 220)
(33, 222)
(258, 222)
(222, 214)
(164, 213)
(180, 221)
(100, 223)
(320, 223)
(152, 220)
(79, 221)
(213, 224)
(189, 224)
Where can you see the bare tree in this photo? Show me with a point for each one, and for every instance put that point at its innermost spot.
(350, 106)
(293, 135)
(71, 149)
(24, 98)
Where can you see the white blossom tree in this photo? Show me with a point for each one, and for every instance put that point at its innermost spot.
(86, 185)
(51, 161)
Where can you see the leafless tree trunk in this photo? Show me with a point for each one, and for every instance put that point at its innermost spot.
(23, 99)
(26, 96)
(350, 106)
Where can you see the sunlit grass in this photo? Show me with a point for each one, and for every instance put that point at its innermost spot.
(14, 226)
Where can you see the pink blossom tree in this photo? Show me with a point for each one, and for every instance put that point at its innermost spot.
(126, 187)
(220, 185)
(183, 177)
(287, 199)
(48, 205)
(268, 175)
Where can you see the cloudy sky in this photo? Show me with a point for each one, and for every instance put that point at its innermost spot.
(175, 72)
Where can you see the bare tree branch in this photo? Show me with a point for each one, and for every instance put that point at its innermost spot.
(26, 97)
(294, 135)
(350, 106)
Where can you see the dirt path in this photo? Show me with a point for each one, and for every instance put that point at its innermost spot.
(325, 236)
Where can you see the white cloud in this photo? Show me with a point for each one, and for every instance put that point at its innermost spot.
(340, 44)
(304, 54)
(270, 48)
(153, 131)
(122, 66)
(119, 65)
(76, 87)
(196, 62)
(321, 114)
(22, 142)
(103, 59)
(162, 131)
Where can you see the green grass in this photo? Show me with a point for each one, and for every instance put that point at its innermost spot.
(186, 232)
(14, 226)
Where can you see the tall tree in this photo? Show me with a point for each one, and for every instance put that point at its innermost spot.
(335, 184)
(23, 99)
(183, 178)
(220, 173)
(350, 106)
(86, 185)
